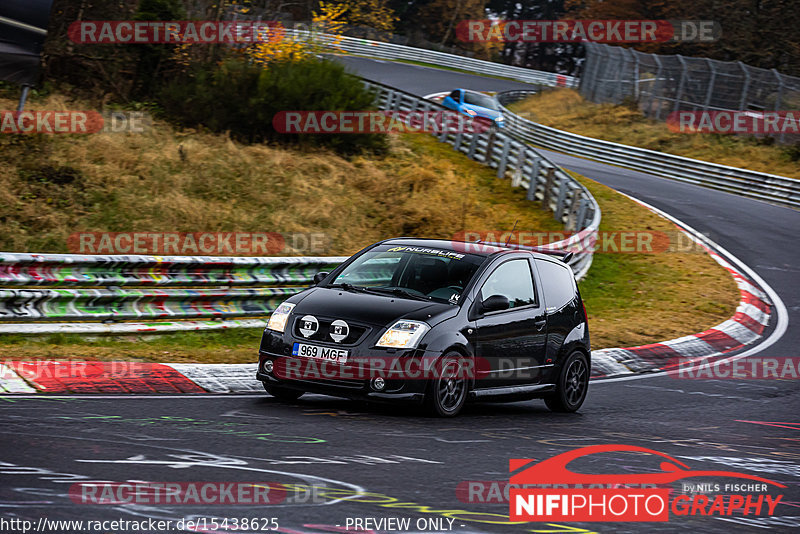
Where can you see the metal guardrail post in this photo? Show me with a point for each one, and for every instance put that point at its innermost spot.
(582, 212)
(562, 195)
(501, 167)
(516, 178)
(473, 144)
(536, 163)
(572, 216)
(548, 187)
(487, 155)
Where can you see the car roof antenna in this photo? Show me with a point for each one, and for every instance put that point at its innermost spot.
(512, 233)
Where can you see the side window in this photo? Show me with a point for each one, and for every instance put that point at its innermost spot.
(558, 284)
(456, 95)
(513, 280)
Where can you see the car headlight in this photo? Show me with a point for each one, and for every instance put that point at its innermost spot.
(500, 119)
(278, 319)
(403, 335)
(470, 112)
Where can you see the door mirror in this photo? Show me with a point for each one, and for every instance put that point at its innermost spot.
(495, 303)
(319, 277)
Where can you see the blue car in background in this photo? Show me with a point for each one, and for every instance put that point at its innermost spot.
(475, 104)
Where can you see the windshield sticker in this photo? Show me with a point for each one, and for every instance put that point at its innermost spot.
(430, 251)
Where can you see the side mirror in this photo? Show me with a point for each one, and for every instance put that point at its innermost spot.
(495, 303)
(320, 276)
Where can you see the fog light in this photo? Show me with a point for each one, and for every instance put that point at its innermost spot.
(268, 366)
(378, 383)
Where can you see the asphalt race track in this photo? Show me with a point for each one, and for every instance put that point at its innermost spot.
(410, 466)
(409, 460)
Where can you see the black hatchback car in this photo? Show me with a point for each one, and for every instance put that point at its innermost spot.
(434, 322)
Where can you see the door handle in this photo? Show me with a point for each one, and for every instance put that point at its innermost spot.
(540, 324)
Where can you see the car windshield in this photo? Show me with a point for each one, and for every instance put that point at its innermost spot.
(477, 99)
(412, 272)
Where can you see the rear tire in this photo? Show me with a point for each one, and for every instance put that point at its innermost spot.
(572, 385)
(285, 394)
(447, 391)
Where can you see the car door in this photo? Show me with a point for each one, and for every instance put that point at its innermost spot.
(511, 342)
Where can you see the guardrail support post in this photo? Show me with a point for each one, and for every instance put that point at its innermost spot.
(501, 167)
(548, 188)
(562, 195)
(581, 218)
(445, 132)
(473, 144)
(572, 217)
(534, 182)
(516, 178)
(487, 155)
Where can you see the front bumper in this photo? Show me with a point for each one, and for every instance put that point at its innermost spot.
(406, 374)
(362, 392)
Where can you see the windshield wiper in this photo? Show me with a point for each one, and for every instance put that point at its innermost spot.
(347, 287)
(400, 293)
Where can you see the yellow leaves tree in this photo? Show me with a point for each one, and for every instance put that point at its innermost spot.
(375, 14)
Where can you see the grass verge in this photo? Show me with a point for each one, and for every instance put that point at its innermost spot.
(565, 109)
(636, 299)
(190, 181)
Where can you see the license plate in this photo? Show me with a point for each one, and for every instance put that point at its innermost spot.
(320, 353)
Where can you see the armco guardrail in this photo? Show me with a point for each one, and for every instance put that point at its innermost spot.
(39, 292)
(570, 202)
(377, 49)
(771, 188)
(66, 287)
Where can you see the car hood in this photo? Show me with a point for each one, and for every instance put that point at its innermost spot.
(365, 308)
(483, 112)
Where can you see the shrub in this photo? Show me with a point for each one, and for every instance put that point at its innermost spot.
(242, 98)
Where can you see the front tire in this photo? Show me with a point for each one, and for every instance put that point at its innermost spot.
(281, 393)
(447, 391)
(572, 385)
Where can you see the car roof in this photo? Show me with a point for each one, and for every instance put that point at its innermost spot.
(472, 91)
(476, 249)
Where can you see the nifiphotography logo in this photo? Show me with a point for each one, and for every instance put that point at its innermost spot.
(572, 496)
